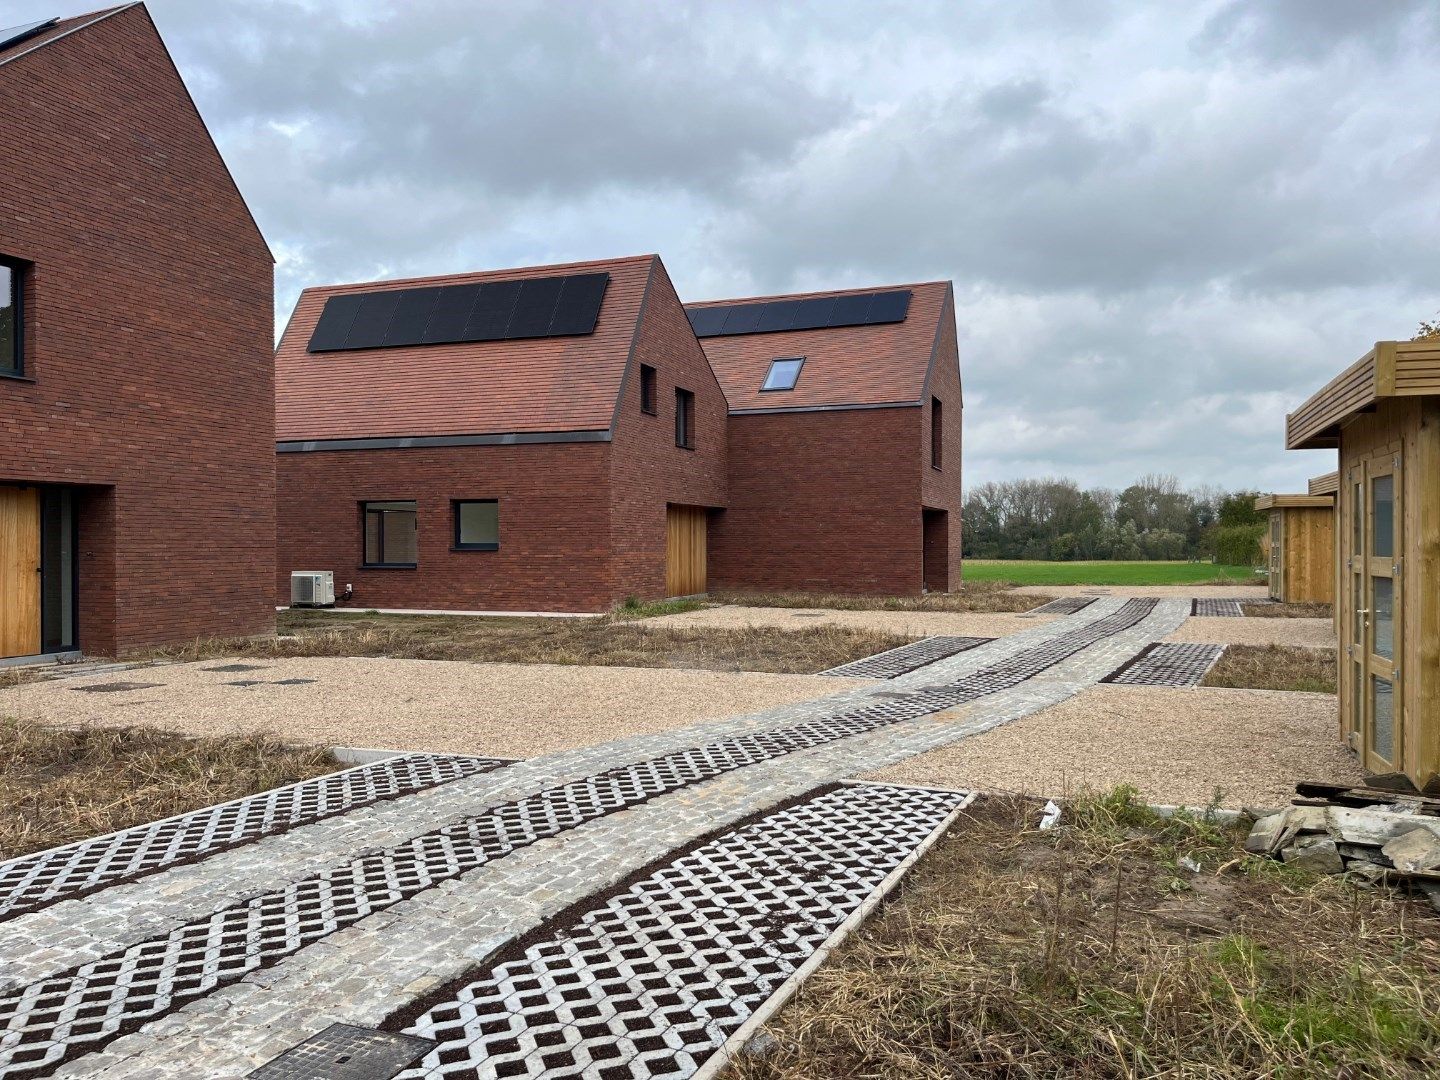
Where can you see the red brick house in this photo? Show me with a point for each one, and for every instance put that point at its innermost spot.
(556, 439)
(136, 354)
(844, 432)
(548, 438)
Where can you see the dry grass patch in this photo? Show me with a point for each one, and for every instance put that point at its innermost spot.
(59, 785)
(1275, 667)
(972, 596)
(1287, 611)
(604, 642)
(1089, 951)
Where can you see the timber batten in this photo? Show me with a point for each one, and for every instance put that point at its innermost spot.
(1326, 484)
(1391, 369)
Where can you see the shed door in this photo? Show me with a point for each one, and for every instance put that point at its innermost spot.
(1381, 611)
(19, 571)
(1277, 561)
(684, 550)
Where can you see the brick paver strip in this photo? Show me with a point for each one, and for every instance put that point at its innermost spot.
(906, 658)
(650, 981)
(1064, 605)
(1167, 663)
(35, 881)
(83, 1008)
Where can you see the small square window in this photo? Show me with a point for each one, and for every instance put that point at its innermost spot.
(649, 399)
(391, 538)
(12, 328)
(684, 419)
(784, 373)
(477, 525)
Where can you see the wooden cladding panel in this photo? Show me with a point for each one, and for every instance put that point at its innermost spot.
(1308, 555)
(19, 566)
(1327, 484)
(1417, 368)
(685, 550)
(1351, 390)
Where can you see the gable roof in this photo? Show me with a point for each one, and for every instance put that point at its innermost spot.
(57, 31)
(847, 366)
(536, 385)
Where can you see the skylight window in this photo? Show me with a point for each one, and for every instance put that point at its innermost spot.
(784, 373)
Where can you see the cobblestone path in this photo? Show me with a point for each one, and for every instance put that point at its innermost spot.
(212, 954)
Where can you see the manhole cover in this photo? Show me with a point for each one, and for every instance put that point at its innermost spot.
(346, 1052)
(237, 667)
(113, 687)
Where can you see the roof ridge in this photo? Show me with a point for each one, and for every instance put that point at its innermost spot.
(818, 292)
(422, 278)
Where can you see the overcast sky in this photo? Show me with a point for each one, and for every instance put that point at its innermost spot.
(1167, 223)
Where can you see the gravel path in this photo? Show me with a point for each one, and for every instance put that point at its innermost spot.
(916, 623)
(503, 710)
(1204, 592)
(1175, 745)
(1314, 633)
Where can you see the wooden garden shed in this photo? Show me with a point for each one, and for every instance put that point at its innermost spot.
(1301, 541)
(1383, 415)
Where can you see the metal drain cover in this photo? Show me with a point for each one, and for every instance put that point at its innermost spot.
(112, 687)
(346, 1052)
(237, 667)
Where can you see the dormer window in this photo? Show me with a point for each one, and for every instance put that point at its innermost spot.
(784, 373)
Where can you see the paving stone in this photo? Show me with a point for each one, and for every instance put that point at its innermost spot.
(906, 658)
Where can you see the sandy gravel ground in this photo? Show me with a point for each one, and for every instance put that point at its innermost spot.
(916, 623)
(1205, 592)
(1175, 745)
(505, 710)
(1315, 633)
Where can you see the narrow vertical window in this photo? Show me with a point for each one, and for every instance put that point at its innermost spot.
(649, 402)
(684, 419)
(937, 433)
(12, 331)
(391, 538)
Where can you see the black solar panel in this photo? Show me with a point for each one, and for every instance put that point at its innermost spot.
(812, 313)
(561, 306)
(412, 316)
(13, 35)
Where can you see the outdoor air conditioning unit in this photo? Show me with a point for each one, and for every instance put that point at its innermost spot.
(312, 588)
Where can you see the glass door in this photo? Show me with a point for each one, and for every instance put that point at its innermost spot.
(1275, 542)
(1353, 685)
(1381, 592)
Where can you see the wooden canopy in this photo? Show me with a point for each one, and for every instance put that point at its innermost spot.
(1294, 502)
(1390, 369)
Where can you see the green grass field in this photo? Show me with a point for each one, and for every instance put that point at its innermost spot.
(1104, 573)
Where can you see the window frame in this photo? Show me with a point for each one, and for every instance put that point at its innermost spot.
(365, 512)
(937, 433)
(456, 544)
(684, 418)
(649, 390)
(19, 276)
(799, 370)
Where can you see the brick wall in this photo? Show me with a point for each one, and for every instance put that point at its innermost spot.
(149, 336)
(940, 488)
(821, 501)
(647, 469)
(554, 525)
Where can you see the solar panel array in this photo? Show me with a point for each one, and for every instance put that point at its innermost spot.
(565, 306)
(812, 313)
(13, 35)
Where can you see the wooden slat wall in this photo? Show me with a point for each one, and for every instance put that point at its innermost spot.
(1327, 484)
(19, 583)
(1308, 540)
(1352, 389)
(1417, 368)
(685, 550)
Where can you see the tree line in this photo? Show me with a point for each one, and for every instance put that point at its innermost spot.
(1153, 518)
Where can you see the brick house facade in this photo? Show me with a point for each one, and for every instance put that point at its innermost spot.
(552, 429)
(136, 416)
(835, 485)
(571, 442)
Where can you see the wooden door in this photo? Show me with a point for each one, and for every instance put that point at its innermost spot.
(684, 550)
(1277, 561)
(1350, 607)
(19, 571)
(1382, 615)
